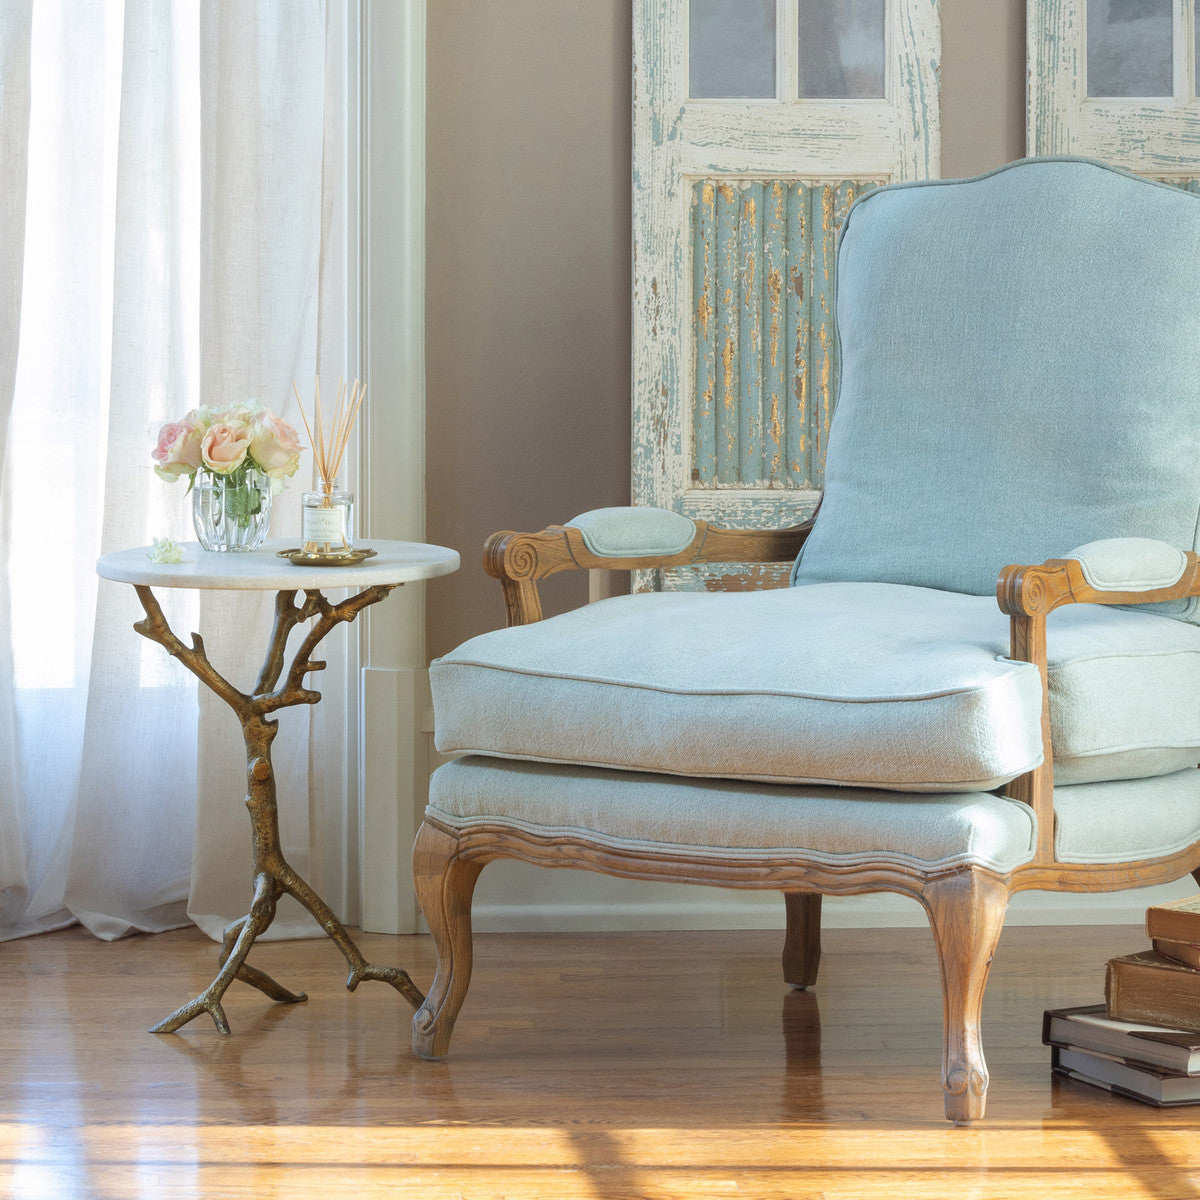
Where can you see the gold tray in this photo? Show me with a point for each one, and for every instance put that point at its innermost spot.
(345, 559)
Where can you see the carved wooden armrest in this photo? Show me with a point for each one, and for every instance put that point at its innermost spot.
(1114, 571)
(623, 540)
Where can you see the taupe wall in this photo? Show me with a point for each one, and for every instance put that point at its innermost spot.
(527, 295)
(983, 84)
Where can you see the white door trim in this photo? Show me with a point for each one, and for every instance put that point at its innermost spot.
(391, 759)
(1155, 137)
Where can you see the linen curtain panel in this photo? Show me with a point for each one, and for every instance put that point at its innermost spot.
(168, 238)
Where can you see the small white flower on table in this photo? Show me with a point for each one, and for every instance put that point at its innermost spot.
(165, 550)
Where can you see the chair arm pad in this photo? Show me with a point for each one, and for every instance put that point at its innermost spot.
(634, 532)
(1131, 564)
(1113, 571)
(630, 539)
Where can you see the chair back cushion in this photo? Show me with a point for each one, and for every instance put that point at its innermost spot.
(1020, 374)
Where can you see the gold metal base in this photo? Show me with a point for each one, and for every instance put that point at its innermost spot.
(272, 875)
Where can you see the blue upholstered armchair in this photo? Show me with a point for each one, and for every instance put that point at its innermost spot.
(1020, 385)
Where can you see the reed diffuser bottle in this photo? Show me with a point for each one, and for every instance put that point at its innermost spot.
(327, 521)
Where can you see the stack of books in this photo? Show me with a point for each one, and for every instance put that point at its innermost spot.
(1145, 1041)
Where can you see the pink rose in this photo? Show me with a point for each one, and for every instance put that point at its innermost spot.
(178, 449)
(223, 448)
(275, 446)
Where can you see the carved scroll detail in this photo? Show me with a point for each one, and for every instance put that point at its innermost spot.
(519, 560)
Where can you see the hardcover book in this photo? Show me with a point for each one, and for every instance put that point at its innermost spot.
(1149, 989)
(1175, 921)
(1089, 1027)
(1182, 952)
(1160, 1088)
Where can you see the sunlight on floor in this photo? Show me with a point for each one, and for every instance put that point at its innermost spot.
(148, 1162)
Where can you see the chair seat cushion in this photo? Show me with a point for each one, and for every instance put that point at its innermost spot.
(834, 826)
(1109, 822)
(859, 684)
(1128, 819)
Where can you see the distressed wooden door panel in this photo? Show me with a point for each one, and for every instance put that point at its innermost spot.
(764, 360)
(1116, 80)
(747, 155)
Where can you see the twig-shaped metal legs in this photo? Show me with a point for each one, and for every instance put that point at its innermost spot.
(273, 876)
(360, 969)
(239, 937)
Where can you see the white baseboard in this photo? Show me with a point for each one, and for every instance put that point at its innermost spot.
(765, 911)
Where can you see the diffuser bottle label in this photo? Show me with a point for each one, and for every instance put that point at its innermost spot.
(325, 524)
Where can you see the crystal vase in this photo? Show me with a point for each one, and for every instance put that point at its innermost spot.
(231, 512)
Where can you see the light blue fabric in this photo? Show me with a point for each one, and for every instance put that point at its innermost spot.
(634, 532)
(1129, 564)
(837, 826)
(1020, 374)
(1128, 819)
(873, 685)
(1097, 823)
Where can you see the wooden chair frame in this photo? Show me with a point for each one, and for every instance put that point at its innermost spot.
(966, 907)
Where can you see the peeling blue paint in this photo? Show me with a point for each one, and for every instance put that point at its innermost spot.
(765, 368)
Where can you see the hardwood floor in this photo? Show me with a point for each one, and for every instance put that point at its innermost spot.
(606, 1065)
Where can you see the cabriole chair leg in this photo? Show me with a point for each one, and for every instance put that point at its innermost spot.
(802, 941)
(444, 886)
(966, 912)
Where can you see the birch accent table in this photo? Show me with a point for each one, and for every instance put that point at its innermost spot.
(279, 685)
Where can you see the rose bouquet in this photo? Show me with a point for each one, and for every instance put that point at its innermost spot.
(237, 456)
(227, 441)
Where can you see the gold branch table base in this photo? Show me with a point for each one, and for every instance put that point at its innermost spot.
(279, 686)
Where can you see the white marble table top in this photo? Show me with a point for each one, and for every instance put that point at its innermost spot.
(262, 570)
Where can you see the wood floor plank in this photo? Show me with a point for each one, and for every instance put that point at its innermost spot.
(583, 1066)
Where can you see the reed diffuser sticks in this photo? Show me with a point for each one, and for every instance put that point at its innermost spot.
(327, 524)
(329, 452)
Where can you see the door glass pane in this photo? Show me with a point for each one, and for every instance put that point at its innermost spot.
(731, 49)
(842, 49)
(1130, 47)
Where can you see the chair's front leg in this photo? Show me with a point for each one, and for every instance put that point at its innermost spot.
(444, 885)
(966, 911)
(802, 942)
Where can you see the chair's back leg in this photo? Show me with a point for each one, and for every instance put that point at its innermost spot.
(802, 942)
(966, 911)
(444, 886)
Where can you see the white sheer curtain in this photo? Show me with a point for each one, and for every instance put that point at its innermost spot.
(168, 237)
